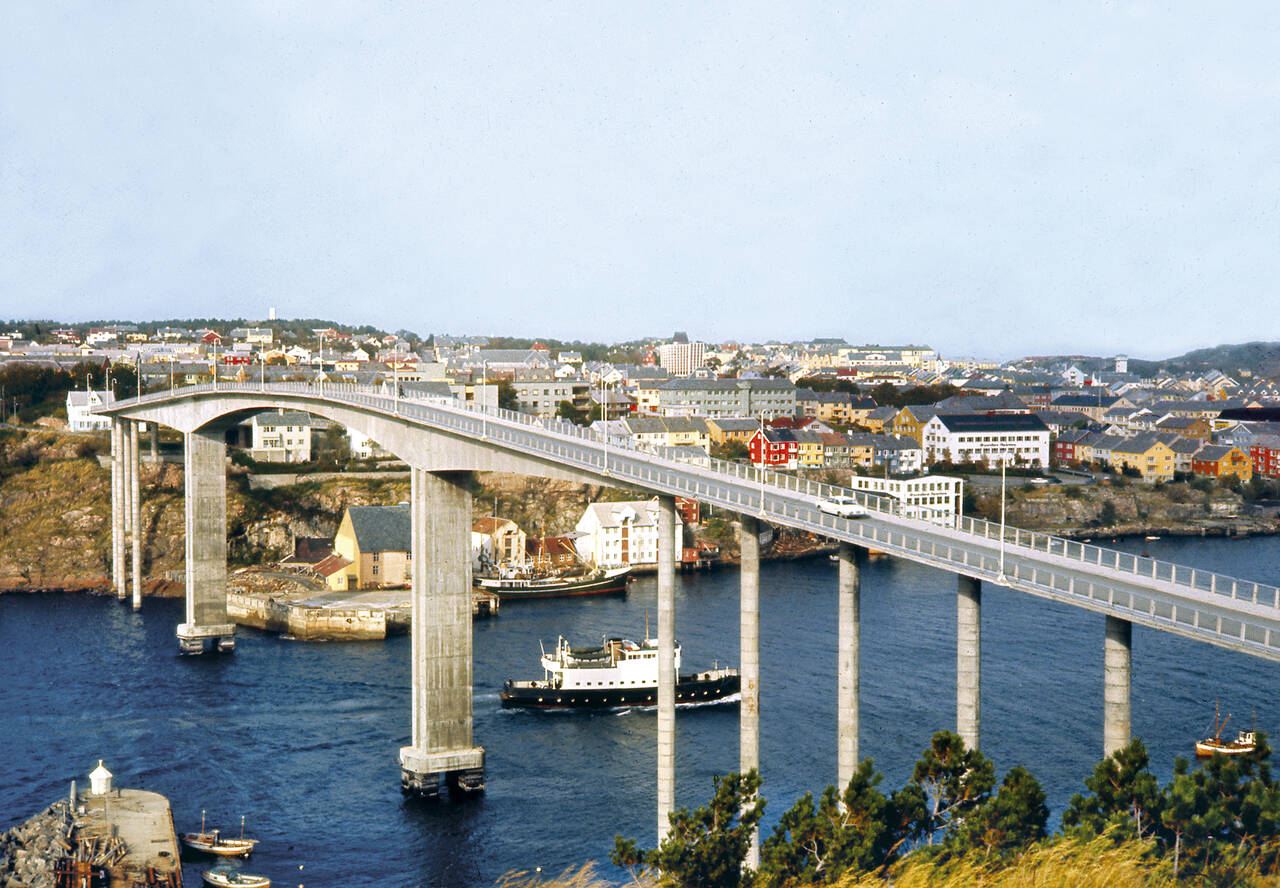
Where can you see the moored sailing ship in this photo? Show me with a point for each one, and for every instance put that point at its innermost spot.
(518, 585)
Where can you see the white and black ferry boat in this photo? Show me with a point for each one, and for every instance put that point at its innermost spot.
(618, 673)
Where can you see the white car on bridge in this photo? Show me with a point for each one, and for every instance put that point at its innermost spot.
(843, 507)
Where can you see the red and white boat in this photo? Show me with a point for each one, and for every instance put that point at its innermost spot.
(1245, 742)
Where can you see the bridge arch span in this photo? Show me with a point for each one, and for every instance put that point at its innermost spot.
(418, 445)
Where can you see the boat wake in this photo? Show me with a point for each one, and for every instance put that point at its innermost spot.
(627, 710)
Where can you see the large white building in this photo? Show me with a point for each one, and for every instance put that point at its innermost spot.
(1014, 439)
(681, 357)
(79, 419)
(623, 534)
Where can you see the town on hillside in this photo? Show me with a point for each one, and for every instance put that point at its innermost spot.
(825, 404)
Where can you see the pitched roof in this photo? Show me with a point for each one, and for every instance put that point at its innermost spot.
(1138, 444)
(283, 418)
(732, 424)
(381, 528)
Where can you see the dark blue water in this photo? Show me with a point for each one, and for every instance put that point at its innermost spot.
(302, 738)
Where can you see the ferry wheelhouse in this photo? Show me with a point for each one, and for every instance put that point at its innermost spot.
(618, 673)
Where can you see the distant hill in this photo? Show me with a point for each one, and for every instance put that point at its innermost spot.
(1260, 358)
(1263, 358)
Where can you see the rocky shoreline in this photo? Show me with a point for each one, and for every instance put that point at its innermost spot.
(30, 850)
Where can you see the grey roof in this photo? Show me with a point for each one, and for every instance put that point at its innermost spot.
(284, 418)
(1138, 443)
(1214, 452)
(731, 424)
(895, 442)
(381, 528)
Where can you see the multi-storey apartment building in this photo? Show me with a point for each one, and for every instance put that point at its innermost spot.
(726, 397)
(1017, 438)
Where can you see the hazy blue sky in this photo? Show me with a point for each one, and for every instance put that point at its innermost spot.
(989, 178)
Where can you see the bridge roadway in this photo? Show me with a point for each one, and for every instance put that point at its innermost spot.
(1233, 613)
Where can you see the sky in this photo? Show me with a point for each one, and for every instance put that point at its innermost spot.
(992, 179)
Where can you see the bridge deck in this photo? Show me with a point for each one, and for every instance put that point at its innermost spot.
(1222, 610)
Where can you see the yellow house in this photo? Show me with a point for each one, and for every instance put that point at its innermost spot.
(879, 421)
(911, 419)
(811, 454)
(732, 429)
(1153, 459)
(375, 539)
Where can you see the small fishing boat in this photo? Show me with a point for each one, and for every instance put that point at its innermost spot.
(213, 842)
(1149, 538)
(234, 879)
(1245, 742)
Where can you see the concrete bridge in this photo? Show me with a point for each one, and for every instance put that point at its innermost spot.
(444, 441)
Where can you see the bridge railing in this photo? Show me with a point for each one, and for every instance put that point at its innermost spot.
(588, 449)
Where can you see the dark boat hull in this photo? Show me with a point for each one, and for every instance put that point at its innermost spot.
(690, 689)
(514, 591)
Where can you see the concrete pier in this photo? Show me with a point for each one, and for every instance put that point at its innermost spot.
(969, 660)
(1117, 669)
(117, 508)
(206, 552)
(666, 662)
(135, 517)
(848, 636)
(749, 641)
(443, 748)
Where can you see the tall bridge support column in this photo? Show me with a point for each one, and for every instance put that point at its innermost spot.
(749, 640)
(126, 480)
(666, 662)
(117, 508)
(848, 636)
(135, 515)
(969, 660)
(206, 554)
(1117, 669)
(443, 748)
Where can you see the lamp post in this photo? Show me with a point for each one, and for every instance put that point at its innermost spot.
(484, 393)
(764, 444)
(1004, 459)
(170, 374)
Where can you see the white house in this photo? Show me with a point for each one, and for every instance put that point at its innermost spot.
(622, 534)
(936, 498)
(1018, 438)
(79, 419)
(362, 446)
(282, 436)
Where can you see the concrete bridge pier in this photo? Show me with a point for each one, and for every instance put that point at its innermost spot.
(135, 514)
(117, 508)
(749, 641)
(969, 660)
(666, 662)
(126, 470)
(848, 636)
(206, 552)
(1117, 670)
(440, 550)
